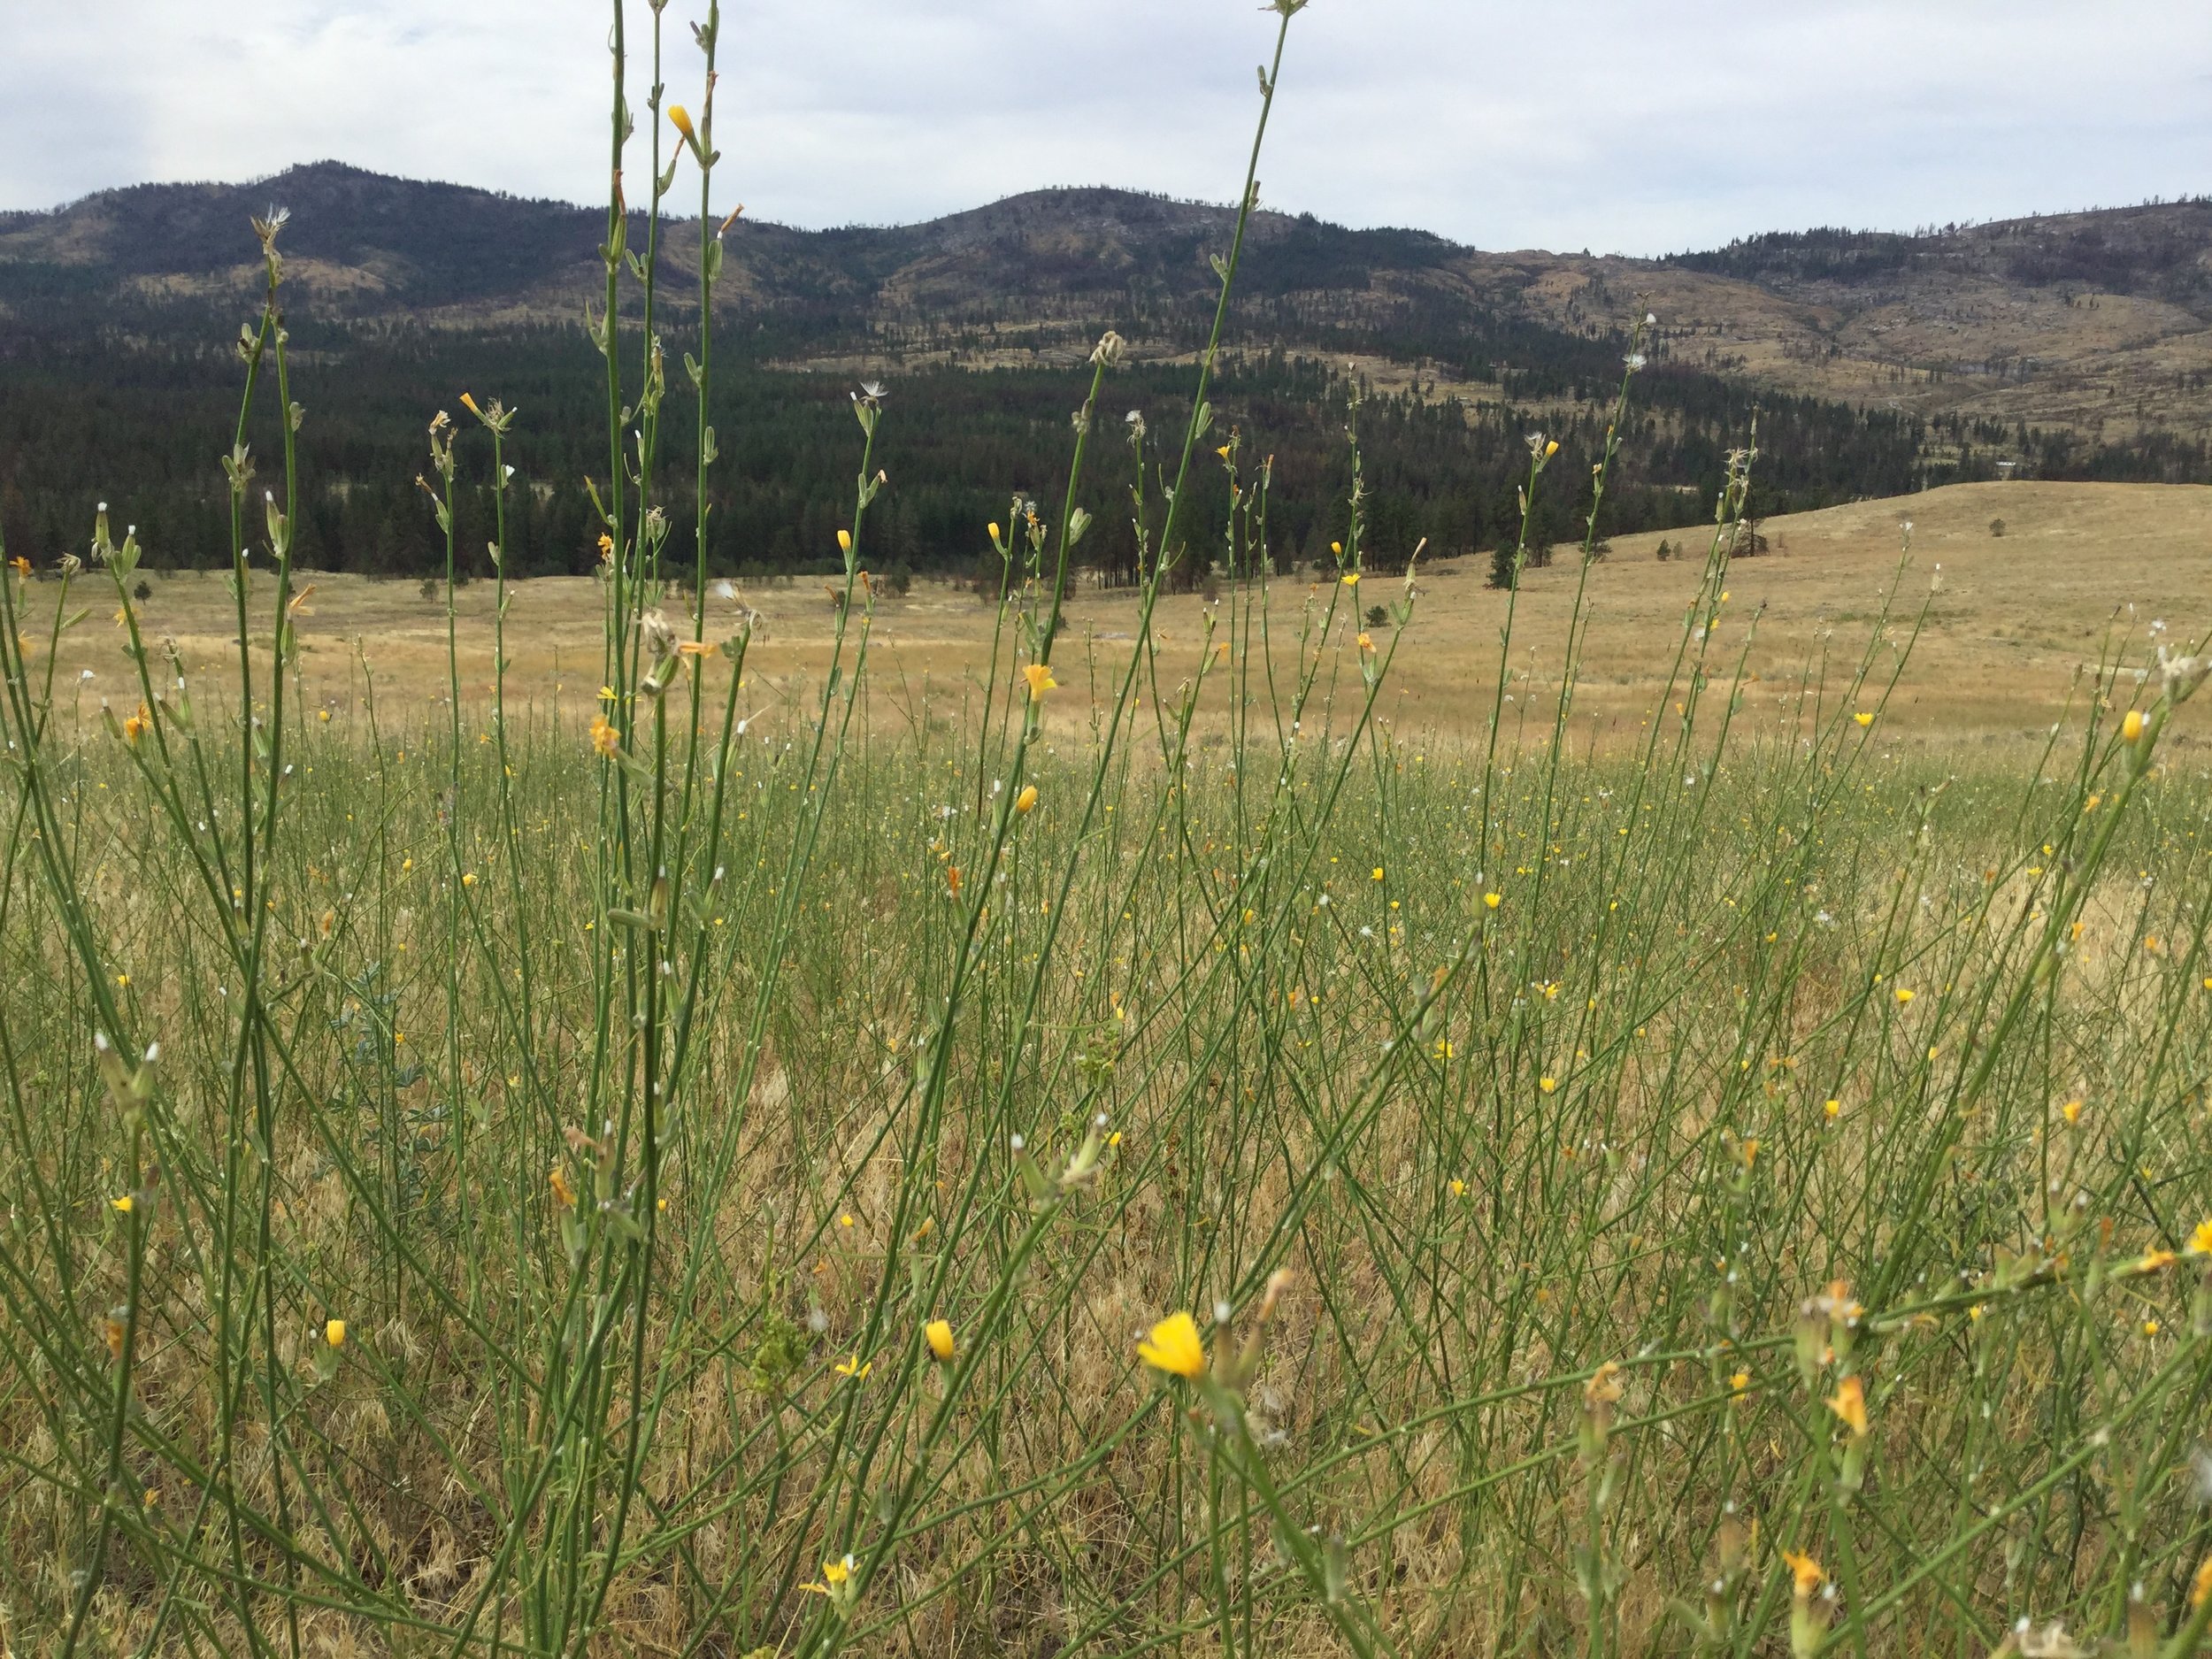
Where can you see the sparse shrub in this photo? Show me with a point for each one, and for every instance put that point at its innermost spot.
(1665, 552)
(1376, 614)
(1996, 526)
(143, 591)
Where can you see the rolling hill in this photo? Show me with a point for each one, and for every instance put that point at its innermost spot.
(2077, 346)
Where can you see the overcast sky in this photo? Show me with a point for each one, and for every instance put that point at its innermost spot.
(1628, 125)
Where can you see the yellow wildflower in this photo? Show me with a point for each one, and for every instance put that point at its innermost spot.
(2201, 1240)
(1174, 1346)
(1806, 1574)
(938, 1335)
(1849, 1404)
(2132, 727)
(125, 1204)
(335, 1332)
(1040, 680)
(1863, 717)
(1027, 800)
(858, 1373)
(604, 738)
(564, 1194)
(844, 540)
(680, 117)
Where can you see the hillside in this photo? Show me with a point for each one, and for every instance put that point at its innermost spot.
(2095, 321)
(2070, 348)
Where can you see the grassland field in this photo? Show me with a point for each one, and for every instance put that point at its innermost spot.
(1658, 1111)
(1995, 661)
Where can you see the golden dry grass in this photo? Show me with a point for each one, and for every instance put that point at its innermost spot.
(2015, 617)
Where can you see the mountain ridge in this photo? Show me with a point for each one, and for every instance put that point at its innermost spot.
(2098, 321)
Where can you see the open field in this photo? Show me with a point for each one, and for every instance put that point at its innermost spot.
(900, 1129)
(2079, 565)
(1710, 1195)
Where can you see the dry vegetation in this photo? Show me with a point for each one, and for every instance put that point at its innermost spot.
(919, 1131)
(1996, 658)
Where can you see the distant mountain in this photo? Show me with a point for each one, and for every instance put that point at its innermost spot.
(2099, 322)
(2076, 346)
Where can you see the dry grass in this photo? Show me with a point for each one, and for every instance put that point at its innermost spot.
(1996, 661)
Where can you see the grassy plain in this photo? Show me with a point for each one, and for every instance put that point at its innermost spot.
(1995, 661)
(917, 1131)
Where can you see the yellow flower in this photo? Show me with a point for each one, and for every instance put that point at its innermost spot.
(836, 1580)
(1741, 1381)
(1366, 643)
(21, 566)
(1547, 1084)
(1351, 579)
(335, 1332)
(2201, 1240)
(1378, 873)
(2071, 1111)
(1863, 717)
(564, 1194)
(992, 528)
(468, 878)
(1551, 448)
(2153, 1260)
(1173, 1347)
(1849, 1404)
(1459, 1187)
(1807, 1575)
(1040, 680)
(938, 1335)
(2131, 726)
(125, 1203)
(135, 727)
(2201, 1586)
(844, 540)
(1492, 900)
(469, 404)
(679, 118)
(606, 548)
(952, 878)
(1904, 995)
(604, 738)
(858, 1373)
(323, 715)
(1832, 1109)
(1027, 800)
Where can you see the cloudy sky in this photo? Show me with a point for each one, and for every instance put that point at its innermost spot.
(1629, 125)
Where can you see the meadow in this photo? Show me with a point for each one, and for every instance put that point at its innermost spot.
(1101, 1146)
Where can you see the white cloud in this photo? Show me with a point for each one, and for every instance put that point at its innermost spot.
(1601, 123)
